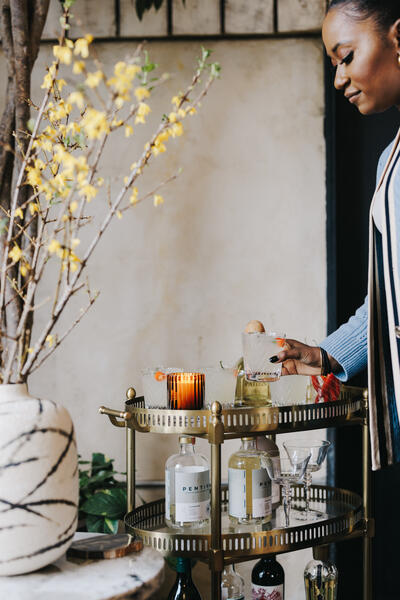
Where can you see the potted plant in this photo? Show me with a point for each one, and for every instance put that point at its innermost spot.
(55, 192)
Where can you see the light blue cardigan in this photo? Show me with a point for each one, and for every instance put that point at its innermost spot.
(349, 344)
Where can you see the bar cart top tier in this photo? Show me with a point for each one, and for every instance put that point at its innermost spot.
(238, 421)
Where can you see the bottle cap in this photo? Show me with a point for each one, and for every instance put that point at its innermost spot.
(248, 439)
(184, 439)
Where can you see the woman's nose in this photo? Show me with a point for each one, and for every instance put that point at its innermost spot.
(341, 79)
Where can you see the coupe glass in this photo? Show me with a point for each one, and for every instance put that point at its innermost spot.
(285, 472)
(317, 451)
(154, 380)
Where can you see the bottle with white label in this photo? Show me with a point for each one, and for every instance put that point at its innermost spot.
(187, 488)
(232, 584)
(268, 580)
(249, 485)
(266, 444)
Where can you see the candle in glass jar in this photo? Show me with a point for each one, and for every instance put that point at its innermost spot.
(185, 391)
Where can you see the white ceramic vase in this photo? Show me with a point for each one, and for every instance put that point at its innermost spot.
(39, 488)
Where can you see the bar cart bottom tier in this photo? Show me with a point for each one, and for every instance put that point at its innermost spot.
(343, 517)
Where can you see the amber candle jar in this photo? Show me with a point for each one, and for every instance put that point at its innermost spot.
(185, 391)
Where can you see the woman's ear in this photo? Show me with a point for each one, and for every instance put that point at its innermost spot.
(395, 34)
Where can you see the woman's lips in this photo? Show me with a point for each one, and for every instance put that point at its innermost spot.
(353, 97)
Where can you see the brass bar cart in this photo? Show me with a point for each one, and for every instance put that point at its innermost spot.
(348, 514)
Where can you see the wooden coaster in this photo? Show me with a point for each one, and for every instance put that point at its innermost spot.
(105, 546)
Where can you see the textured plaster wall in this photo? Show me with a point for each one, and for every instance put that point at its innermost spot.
(241, 235)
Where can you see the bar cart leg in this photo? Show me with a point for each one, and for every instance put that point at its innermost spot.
(216, 438)
(367, 556)
(130, 461)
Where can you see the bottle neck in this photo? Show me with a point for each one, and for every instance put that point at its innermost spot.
(187, 448)
(183, 568)
(249, 444)
(230, 569)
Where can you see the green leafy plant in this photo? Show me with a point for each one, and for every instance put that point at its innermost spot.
(102, 498)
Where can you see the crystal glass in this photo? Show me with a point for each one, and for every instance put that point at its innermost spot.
(286, 472)
(154, 380)
(220, 385)
(289, 391)
(321, 580)
(318, 451)
(257, 350)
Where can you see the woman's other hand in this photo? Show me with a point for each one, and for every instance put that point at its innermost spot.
(299, 359)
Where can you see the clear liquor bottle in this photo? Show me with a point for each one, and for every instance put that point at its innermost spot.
(268, 579)
(183, 588)
(249, 485)
(232, 584)
(266, 444)
(187, 488)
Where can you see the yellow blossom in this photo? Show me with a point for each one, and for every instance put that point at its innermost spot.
(69, 43)
(19, 213)
(182, 113)
(43, 143)
(73, 206)
(48, 78)
(15, 254)
(93, 79)
(50, 340)
(23, 269)
(95, 123)
(75, 242)
(116, 122)
(119, 214)
(192, 111)
(79, 67)
(128, 130)
(119, 101)
(158, 200)
(134, 196)
(126, 179)
(176, 100)
(141, 93)
(100, 180)
(82, 46)
(63, 53)
(33, 176)
(172, 117)
(30, 350)
(177, 129)
(54, 246)
(61, 83)
(33, 207)
(143, 110)
(89, 191)
(133, 166)
(78, 99)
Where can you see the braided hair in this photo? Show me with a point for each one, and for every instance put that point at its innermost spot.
(384, 12)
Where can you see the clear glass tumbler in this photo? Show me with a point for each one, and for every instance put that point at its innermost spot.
(154, 380)
(257, 350)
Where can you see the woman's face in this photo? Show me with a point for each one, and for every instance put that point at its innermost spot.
(366, 61)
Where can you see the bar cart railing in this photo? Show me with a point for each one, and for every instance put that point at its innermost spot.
(348, 514)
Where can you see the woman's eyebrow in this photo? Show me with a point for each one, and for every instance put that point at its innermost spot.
(338, 45)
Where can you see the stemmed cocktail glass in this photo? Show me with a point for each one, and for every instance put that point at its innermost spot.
(317, 451)
(285, 472)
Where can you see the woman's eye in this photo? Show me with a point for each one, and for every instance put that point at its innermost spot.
(347, 59)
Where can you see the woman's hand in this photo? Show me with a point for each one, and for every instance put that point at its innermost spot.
(300, 359)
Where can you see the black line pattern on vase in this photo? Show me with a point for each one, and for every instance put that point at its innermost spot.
(69, 526)
(70, 440)
(15, 526)
(33, 432)
(49, 501)
(40, 407)
(17, 464)
(40, 551)
(12, 506)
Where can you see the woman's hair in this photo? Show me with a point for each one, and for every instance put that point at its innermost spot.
(384, 12)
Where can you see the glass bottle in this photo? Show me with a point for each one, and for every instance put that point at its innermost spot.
(249, 485)
(187, 487)
(232, 584)
(268, 579)
(267, 445)
(320, 580)
(183, 588)
(251, 393)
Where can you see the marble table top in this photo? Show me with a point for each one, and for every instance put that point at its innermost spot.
(140, 573)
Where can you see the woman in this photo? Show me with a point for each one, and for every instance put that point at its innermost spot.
(362, 38)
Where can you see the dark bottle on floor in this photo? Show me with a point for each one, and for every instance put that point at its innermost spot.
(268, 580)
(183, 588)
